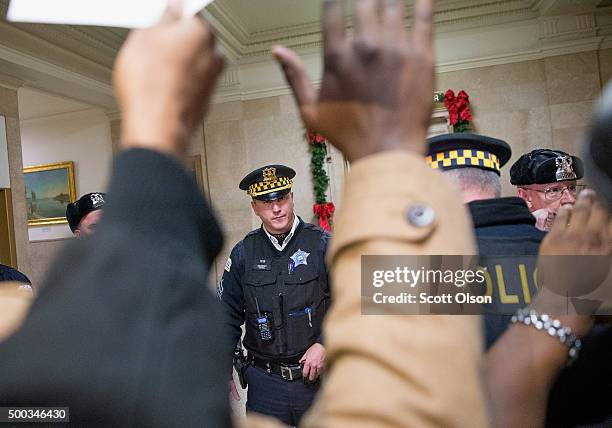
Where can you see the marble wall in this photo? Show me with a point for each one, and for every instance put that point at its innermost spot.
(540, 103)
(543, 103)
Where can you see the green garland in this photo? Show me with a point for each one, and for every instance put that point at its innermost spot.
(319, 176)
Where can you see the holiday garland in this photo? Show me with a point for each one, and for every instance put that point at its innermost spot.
(323, 209)
(459, 117)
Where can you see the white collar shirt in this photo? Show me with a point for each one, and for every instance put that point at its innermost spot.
(274, 241)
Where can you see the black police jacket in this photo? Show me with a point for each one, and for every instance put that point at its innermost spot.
(580, 396)
(286, 292)
(508, 243)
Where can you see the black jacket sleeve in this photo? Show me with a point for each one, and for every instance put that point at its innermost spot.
(325, 237)
(124, 330)
(230, 292)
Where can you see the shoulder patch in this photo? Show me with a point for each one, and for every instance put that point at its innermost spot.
(228, 264)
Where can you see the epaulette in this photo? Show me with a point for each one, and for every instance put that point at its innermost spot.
(252, 232)
(316, 228)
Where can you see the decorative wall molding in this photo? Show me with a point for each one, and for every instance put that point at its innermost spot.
(58, 115)
(526, 40)
(44, 67)
(76, 61)
(10, 82)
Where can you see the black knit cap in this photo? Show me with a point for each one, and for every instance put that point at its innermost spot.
(89, 202)
(269, 182)
(466, 150)
(543, 166)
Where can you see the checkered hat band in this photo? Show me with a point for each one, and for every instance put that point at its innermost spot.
(463, 157)
(262, 187)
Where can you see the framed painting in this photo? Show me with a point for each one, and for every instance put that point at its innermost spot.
(49, 188)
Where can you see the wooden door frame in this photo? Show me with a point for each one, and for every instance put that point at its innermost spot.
(6, 200)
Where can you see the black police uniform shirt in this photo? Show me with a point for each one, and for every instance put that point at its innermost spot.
(508, 244)
(289, 289)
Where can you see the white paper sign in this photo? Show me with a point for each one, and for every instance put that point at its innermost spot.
(106, 13)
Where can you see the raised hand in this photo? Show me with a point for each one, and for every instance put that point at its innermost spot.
(376, 91)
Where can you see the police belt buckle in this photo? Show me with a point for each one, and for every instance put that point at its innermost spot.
(287, 372)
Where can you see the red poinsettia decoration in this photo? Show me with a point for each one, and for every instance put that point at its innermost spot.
(458, 110)
(324, 211)
(315, 138)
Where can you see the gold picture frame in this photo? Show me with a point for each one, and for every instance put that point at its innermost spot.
(195, 167)
(49, 189)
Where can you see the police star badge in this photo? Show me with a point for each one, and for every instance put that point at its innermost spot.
(300, 258)
(564, 168)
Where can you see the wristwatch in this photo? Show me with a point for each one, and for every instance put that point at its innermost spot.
(551, 326)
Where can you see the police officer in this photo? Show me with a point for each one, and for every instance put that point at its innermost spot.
(506, 235)
(276, 283)
(546, 180)
(84, 215)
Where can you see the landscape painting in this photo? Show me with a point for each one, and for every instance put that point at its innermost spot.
(49, 188)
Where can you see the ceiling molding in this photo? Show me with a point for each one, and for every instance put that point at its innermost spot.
(43, 48)
(57, 115)
(567, 7)
(76, 61)
(450, 16)
(10, 82)
(34, 63)
(530, 40)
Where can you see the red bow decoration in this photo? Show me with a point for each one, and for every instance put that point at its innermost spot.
(458, 109)
(324, 211)
(315, 138)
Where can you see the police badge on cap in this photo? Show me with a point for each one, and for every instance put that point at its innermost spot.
(75, 211)
(543, 166)
(268, 182)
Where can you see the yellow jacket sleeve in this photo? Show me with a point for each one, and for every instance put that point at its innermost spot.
(397, 370)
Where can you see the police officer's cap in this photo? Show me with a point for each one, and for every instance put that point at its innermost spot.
(268, 182)
(544, 166)
(465, 150)
(76, 210)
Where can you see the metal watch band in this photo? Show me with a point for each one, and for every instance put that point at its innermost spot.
(553, 327)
